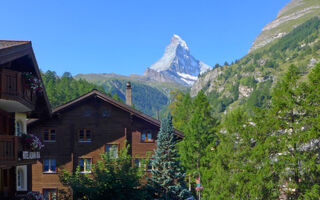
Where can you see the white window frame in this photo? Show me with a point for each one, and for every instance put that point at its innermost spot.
(85, 166)
(112, 147)
(21, 178)
(19, 128)
(49, 166)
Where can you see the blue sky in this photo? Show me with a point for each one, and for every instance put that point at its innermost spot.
(126, 37)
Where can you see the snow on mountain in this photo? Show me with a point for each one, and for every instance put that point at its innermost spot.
(177, 64)
(187, 76)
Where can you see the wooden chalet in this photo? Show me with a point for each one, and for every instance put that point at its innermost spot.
(21, 96)
(81, 130)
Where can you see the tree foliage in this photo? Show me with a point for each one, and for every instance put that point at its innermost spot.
(65, 88)
(111, 178)
(262, 153)
(167, 179)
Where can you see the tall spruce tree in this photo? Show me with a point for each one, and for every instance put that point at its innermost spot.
(168, 176)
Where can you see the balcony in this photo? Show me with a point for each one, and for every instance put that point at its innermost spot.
(15, 94)
(13, 151)
(8, 150)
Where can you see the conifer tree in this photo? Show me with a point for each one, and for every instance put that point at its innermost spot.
(199, 133)
(168, 176)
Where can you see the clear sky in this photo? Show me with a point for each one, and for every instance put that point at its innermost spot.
(125, 37)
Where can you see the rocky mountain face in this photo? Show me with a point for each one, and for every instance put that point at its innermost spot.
(293, 14)
(249, 81)
(177, 65)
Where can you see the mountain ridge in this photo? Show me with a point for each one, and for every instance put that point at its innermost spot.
(289, 17)
(249, 81)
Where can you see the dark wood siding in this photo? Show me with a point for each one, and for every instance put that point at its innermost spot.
(107, 124)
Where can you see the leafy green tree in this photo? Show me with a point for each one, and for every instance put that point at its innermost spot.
(235, 163)
(199, 133)
(111, 178)
(168, 176)
(181, 108)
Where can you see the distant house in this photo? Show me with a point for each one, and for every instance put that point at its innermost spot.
(21, 96)
(81, 130)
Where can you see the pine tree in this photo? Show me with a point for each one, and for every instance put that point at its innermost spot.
(168, 176)
(199, 133)
(293, 139)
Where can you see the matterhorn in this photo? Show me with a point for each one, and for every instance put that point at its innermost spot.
(177, 65)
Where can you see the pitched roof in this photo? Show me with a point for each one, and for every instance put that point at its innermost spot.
(10, 43)
(11, 50)
(122, 106)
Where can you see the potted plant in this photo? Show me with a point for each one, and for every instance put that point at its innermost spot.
(32, 82)
(31, 142)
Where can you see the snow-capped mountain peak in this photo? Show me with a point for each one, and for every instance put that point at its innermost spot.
(177, 64)
(176, 39)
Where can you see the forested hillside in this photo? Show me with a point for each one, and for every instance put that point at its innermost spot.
(65, 88)
(149, 97)
(248, 81)
(262, 153)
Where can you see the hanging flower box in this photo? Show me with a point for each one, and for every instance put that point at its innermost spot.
(31, 142)
(32, 82)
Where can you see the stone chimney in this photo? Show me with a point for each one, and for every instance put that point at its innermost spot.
(128, 94)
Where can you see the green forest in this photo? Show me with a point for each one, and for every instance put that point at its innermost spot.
(65, 88)
(263, 154)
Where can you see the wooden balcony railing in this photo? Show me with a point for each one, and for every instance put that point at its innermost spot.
(13, 87)
(8, 148)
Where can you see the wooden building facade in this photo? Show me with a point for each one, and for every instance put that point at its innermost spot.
(80, 131)
(21, 96)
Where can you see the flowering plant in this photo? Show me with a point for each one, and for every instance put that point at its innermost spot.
(199, 188)
(32, 142)
(33, 82)
(34, 196)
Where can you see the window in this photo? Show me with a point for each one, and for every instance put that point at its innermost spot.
(106, 113)
(85, 165)
(146, 136)
(149, 166)
(50, 194)
(84, 135)
(49, 135)
(137, 162)
(49, 166)
(143, 163)
(87, 113)
(19, 128)
(20, 179)
(112, 149)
